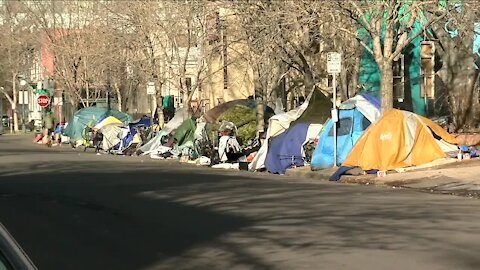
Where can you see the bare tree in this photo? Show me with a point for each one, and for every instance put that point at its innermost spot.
(17, 48)
(389, 26)
(457, 77)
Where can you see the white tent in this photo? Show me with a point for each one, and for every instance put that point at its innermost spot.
(156, 142)
(277, 124)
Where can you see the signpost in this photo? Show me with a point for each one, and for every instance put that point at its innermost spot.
(151, 91)
(43, 101)
(334, 66)
(23, 100)
(151, 88)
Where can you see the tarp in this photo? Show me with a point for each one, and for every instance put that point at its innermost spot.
(185, 132)
(399, 139)
(112, 135)
(144, 121)
(213, 114)
(316, 105)
(88, 117)
(286, 149)
(156, 142)
(355, 116)
(318, 110)
(368, 105)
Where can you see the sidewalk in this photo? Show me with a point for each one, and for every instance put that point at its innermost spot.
(457, 178)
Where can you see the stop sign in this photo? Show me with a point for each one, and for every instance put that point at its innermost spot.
(43, 101)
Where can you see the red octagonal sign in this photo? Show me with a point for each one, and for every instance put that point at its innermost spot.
(43, 101)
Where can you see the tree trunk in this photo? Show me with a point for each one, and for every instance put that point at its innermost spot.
(161, 117)
(12, 104)
(119, 97)
(15, 102)
(386, 86)
(343, 85)
(260, 108)
(260, 113)
(353, 82)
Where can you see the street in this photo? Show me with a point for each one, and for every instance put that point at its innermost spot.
(71, 209)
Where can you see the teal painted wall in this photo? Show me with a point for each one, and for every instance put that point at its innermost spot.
(370, 73)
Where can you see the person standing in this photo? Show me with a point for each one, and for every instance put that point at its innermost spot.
(48, 125)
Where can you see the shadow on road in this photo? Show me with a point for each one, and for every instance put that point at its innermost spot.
(129, 214)
(101, 221)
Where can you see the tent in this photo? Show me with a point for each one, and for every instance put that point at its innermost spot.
(213, 114)
(106, 121)
(133, 136)
(156, 142)
(88, 117)
(400, 139)
(316, 109)
(350, 127)
(185, 132)
(355, 116)
(286, 149)
(112, 135)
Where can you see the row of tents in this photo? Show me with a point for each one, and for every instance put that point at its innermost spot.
(227, 134)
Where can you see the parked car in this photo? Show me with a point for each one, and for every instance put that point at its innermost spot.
(12, 257)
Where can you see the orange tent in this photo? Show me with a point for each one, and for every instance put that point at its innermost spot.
(400, 139)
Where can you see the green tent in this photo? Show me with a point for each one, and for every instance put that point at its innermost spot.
(185, 132)
(88, 117)
(318, 110)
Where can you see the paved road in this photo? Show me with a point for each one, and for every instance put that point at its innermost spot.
(75, 210)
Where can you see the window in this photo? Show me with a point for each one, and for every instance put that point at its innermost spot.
(344, 127)
(4, 263)
(365, 123)
(188, 84)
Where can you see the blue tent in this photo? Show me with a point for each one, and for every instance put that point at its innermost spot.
(351, 125)
(355, 116)
(88, 117)
(285, 150)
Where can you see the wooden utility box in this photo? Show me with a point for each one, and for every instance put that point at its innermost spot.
(427, 72)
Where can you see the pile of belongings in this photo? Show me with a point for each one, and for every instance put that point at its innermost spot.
(242, 113)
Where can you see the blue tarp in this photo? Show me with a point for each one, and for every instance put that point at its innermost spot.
(285, 150)
(133, 130)
(351, 125)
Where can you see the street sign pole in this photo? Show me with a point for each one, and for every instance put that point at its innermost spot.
(334, 66)
(152, 91)
(334, 118)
